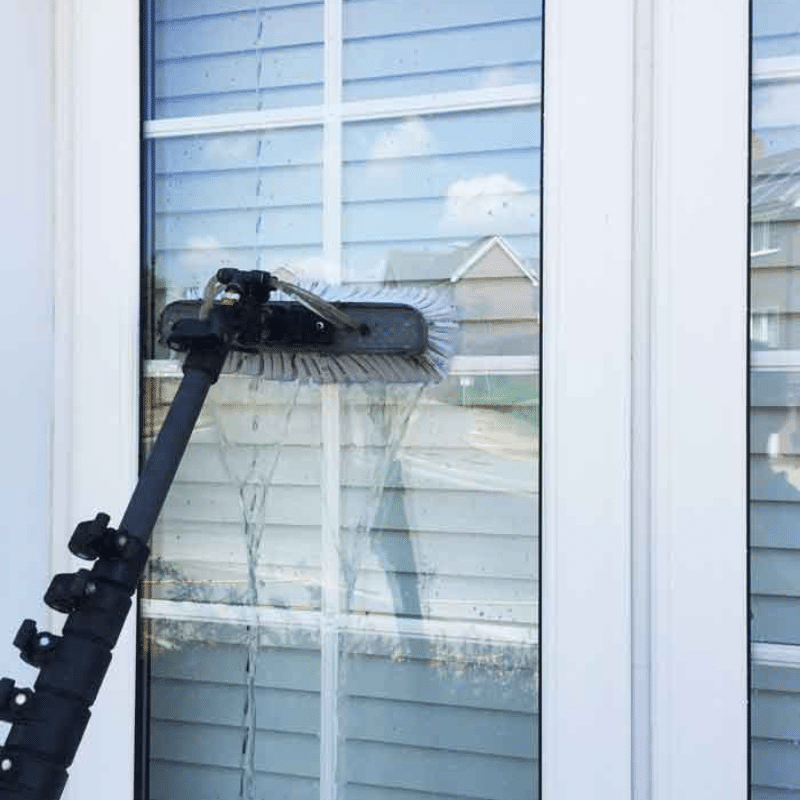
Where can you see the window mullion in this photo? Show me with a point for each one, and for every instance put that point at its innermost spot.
(330, 412)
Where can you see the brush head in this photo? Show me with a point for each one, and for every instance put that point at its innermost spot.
(352, 335)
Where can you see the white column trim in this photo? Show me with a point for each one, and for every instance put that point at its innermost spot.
(586, 385)
(97, 268)
(699, 358)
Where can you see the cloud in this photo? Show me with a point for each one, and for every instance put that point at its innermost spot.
(200, 259)
(409, 137)
(494, 203)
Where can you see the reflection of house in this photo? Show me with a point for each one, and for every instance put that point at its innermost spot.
(775, 250)
(496, 291)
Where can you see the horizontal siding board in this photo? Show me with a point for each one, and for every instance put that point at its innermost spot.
(499, 339)
(441, 727)
(236, 32)
(233, 102)
(452, 50)
(288, 506)
(237, 228)
(775, 619)
(357, 791)
(211, 154)
(426, 82)
(458, 428)
(377, 18)
(445, 771)
(453, 679)
(175, 781)
(223, 705)
(775, 18)
(219, 74)
(165, 10)
(766, 793)
(444, 135)
(447, 511)
(775, 572)
(415, 220)
(512, 556)
(510, 470)
(775, 763)
(768, 484)
(773, 389)
(278, 752)
(190, 267)
(775, 678)
(235, 189)
(295, 669)
(432, 176)
(773, 422)
(775, 716)
(432, 511)
(500, 600)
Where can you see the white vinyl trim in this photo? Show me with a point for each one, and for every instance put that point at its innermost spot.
(698, 417)
(269, 616)
(586, 384)
(97, 263)
(461, 365)
(383, 108)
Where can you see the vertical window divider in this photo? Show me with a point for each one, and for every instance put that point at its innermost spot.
(330, 412)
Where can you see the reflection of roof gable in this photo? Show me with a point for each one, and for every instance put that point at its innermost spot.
(482, 249)
(449, 265)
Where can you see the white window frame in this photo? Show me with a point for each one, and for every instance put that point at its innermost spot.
(644, 668)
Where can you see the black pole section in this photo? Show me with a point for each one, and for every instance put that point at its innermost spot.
(162, 463)
(48, 721)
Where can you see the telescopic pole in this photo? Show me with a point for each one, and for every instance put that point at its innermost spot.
(49, 720)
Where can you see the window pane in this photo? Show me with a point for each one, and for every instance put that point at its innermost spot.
(451, 200)
(214, 58)
(204, 741)
(775, 401)
(398, 48)
(343, 595)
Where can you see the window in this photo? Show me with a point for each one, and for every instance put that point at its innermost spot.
(343, 593)
(636, 306)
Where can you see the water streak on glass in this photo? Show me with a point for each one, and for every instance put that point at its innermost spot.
(254, 483)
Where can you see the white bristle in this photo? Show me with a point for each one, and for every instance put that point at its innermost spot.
(429, 367)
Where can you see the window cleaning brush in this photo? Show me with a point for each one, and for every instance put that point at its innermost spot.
(321, 335)
(326, 333)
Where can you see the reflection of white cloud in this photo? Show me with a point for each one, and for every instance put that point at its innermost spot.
(409, 137)
(496, 76)
(227, 149)
(201, 257)
(493, 203)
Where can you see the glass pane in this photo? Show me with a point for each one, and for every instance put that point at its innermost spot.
(438, 717)
(451, 200)
(343, 596)
(775, 401)
(398, 48)
(221, 57)
(234, 710)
